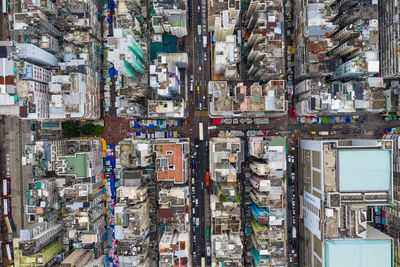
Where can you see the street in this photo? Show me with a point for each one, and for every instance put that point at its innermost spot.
(201, 74)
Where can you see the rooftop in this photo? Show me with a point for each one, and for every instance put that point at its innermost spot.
(76, 165)
(171, 160)
(358, 253)
(364, 170)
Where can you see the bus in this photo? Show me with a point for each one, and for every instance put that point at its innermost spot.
(9, 224)
(10, 253)
(6, 187)
(207, 178)
(208, 232)
(203, 262)
(6, 206)
(201, 131)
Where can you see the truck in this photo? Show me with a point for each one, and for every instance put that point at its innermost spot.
(294, 232)
(204, 41)
(208, 251)
(207, 178)
(323, 133)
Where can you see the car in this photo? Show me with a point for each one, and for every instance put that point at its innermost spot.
(193, 190)
(205, 56)
(194, 211)
(313, 132)
(33, 126)
(199, 69)
(289, 231)
(345, 131)
(294, 220)
(191, 53)
(201, 106)
(191, 76)
(198, 89)
(198, 9)
(357, 131)
(204, 98)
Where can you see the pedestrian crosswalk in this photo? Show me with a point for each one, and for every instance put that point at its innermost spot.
(201, 113)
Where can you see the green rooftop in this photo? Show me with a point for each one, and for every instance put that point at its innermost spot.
(257, 227)
(76, 165)
(168, 45)
(278, 141)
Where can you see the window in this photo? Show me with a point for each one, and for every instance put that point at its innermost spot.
(169, 152)
(171, 167)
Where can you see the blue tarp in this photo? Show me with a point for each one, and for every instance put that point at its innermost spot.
(136, 124)
(112, 186)
(109, 20)
(143, 127)
(348, 119)
(151, 126)
(138, 133)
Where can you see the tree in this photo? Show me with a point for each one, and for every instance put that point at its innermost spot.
(91, 129)
(70, 129)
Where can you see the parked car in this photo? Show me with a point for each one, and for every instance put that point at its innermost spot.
(357, 131)
(345, 131)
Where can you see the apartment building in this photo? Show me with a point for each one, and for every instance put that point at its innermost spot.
(223, 18)
(343, 186)
(390, 214)
(226, 156)
(267, 207)
(136, 153)
(132, 225)
(169, 17)
(45, 256)
(78, 258)
(255, 100)
(174, 248)
(317, 97)
(33, 92)
(172, 162)
(226, 56)
(264, 24)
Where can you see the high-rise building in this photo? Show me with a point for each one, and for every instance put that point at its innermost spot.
(343, 186)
